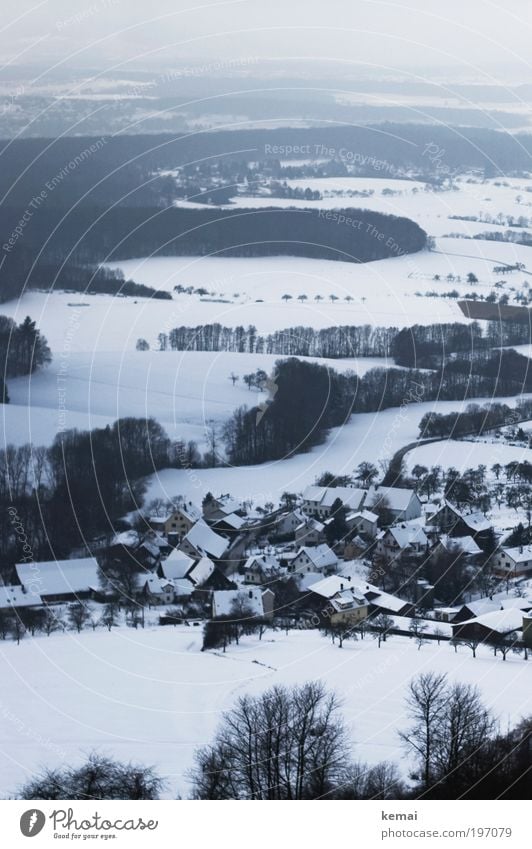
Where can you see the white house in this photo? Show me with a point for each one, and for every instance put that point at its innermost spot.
(363, 522)
(261, 568)
(512, 562)
(318, 500)
(318, 558)
(399, 539)
(249, 602)
(403, 504)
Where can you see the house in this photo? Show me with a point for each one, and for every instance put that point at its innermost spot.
(337, 600)
(142, 549)
(465, 546)
(381, 602)
(60, 580)
(252, 602)
(202, 541)
(512, 562)
(355, 548)
(178, 521)
(403, 504)
(318, 500)
(230, 525)
(310, 531)
(15, 597)
(216, 508)
(473, 609)
(450, 520)
(157, 590)
(363, 522)
(407, 538)
(489, 627)
(318, 558)
(176, 566)
(261, 569)
(286, 523)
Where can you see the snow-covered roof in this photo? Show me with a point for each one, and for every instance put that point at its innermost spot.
(226, 504)
(406, 535)
(467, 545)
(129, 538)
(397, 497)
(325, 496)
(56, 577)
(320, 556)
(233, 520)
(503, 621)
(14, 596)
(156, 585)
(264, 562)
(520, 554)
(201, 572)
(307, 579)
(230, 602)
(205, 540)
(183, 587)
(310, 523)
(386, 601)
(476, 521)
(363, 514)
(177, 564)
(190, 510)
(340, 588)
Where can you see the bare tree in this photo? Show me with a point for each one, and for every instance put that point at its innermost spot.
(98, 778)
(284, 744)
(78, 615)
(381, 626)
(425, 702)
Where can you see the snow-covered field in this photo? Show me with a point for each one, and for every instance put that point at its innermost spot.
(151, 695)
(184, 390)
(367, 436)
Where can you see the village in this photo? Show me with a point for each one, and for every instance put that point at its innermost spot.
(343, 559)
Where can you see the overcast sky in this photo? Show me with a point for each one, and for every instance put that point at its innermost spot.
(387, 34)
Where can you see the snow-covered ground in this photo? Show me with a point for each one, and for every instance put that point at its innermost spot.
(184, 390)
(152, 696)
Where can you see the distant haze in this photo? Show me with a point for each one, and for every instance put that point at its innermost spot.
(473, 39)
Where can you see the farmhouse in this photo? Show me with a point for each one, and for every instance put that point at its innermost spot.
(60, 580)
(253, 602)
(489, 627)
(403, 504)
(409, 538)
(450, 520)
(345, 602)
(512, 562)
(310, 532)
(202, 541)
(318, 558)
(179, 521)
(318, 500)
(363, 522)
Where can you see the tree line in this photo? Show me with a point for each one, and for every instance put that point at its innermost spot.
(80, 486)
(89, 234)
(415, 347)
(22, 271)
(307, 399)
